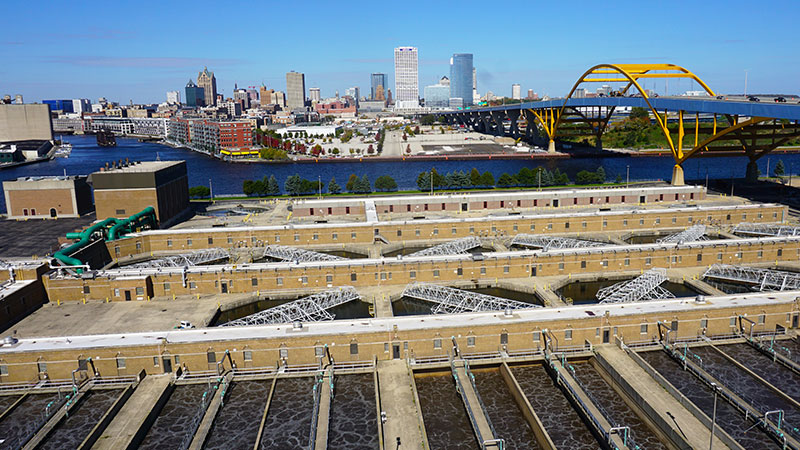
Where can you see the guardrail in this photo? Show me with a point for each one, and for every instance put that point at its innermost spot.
(497, 441)
(470, 413)
(205, 400)
(33, 426)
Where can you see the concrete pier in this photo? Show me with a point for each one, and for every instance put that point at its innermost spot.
(400, 405)
(133, 414)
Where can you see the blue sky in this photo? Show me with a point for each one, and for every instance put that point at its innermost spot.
(127, 50)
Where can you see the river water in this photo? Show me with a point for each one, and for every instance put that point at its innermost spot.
(227, 178)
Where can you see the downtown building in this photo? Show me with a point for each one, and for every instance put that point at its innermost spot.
(461, 80)
(406, 78)
(208, 82)
(215, 138)
(437, 96)
(378, 85)
(295, 90)
(195, 95)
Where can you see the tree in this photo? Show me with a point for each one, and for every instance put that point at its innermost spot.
(416, 129)
(780, 170)
(639, 114)
(487, 179)
(601, 174)
(272, 187)
(351, 183)
(333, 186)
(199, 192)
(293, 185)
(475, 177)
(424, 181)
(362, 185)
(385, 183)
(428, 119)
(506, 180)
(370, 149)
(247, 187)
(408, 149)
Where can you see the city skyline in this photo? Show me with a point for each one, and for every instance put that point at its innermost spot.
(139, 58)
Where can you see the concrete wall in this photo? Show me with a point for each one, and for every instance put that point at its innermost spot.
(378, 341)
(19, 299)
(25, 122)
(69, 197)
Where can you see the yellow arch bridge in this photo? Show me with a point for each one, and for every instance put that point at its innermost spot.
(691, 125)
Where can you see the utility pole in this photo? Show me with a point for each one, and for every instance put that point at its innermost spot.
(540, 178)
(319, 185)
(714, 416)
(627, 175)
(210, 190)
(431, 180)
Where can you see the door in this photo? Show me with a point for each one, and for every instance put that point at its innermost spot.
(127, 296)
(224, 287)
(606, 336)
(642, 199)
(555, 203)
(464, 207)
(795, 318)
(53, 212)
(395, 351)
(167, 364)
(533, 271)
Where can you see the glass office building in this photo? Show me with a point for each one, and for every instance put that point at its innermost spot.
(377, 79)
(437, 96)
(461, 77)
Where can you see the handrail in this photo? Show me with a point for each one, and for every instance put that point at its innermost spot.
(316, 392)
(460, 389)
(205, 401)
(482, 405)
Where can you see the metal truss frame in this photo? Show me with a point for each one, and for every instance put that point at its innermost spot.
(296, 254)
(197, 258)
(646, 286)
(313, 308)
(551, 242)
(765, 279)
(766, 229)
(456, 246)
(452, 301)
(691, 234)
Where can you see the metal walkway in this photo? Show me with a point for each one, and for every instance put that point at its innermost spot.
(691, 234)
(766, 229)
(451, 301)
(646, 286)
(462, 245)
(197, 258)
(295, 254)
(764, 279)
(550, 242)
(307, 309)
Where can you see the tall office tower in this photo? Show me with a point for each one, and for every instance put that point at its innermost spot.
(353, 92)
(279, 98)
(516, 92)
(206, 80)
(461, 78)
(84, 105)
(376, 79)
(242, 97)
(173, 98)
(380, 94)
(295, 90)
(265, 95)
(530, 93)
(194, 95)
(406, 81)
(314, 94)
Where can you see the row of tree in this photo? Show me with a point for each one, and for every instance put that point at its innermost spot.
(297, 185)
(525, 177)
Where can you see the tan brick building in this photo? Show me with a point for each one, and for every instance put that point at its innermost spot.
(127, 189)
(43, 197)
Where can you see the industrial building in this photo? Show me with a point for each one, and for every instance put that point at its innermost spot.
(641, 317)
(47, 197)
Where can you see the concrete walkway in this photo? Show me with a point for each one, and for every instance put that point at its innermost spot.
(657, 399)
(399, 404)
(130, 418)
(470, 397)
(323, 418)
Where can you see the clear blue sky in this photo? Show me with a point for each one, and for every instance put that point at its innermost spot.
(127, 50)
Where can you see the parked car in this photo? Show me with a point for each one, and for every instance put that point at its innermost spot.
(753, 98)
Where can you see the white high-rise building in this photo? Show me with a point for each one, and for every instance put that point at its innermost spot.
(475, 96)
(173, 97)
(406, 79)
(516, 92)
(81, 105)
(314, 94)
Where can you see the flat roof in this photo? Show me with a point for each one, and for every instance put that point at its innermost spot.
(141, 166)
(391, 324)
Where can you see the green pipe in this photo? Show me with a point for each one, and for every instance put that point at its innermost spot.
(146, 215)
(84, 239)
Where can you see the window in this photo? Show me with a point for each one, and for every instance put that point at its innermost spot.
(506, 269)
(177, 359)
(416, 232)
(643, 328)
(436, 273)
(604, 263)
(460, 271)
(453, 230)
(329, 279)
(354, 348)
(230, 240)
(304, 279)
(699, 257)
(437, 343)
(139, 291)
(658, 220)
(560, 266)
(283, 352)
(412, 274)
(383, 276)
(583, 264)
(155, 361)
(503, 338)
(166, 286)
(483, 270)
(353, 277)
(42, 366)
(760, 253)
(533, 227)
(188, 242)
(138, 246)
(719, 256)
(120, 363)
(733, 321)
(353, 236)
(315, 237)
(116, 292)
(703, 323)
(627, 261)
(169, 242)
(435, 231)
(470, 341)
(86, 289)
(549, 226)
(648, 261)
(211, 357)
(296, 237)
(210, 241)
(567, 335)
(399, 233)
(780, 252)
(641, 221)
(605, 223)
(566, 225)
(537, 336)
(625, 223)
(762, 318)
(120, 212)
(674, 220)
(319, 351)
(584, 224)
(192, 285)
(279, 281)
(254, 281)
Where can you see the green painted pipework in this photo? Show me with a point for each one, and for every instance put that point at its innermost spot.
(118, 227)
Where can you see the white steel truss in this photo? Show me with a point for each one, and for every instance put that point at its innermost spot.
(451, 301)
(296, 254)
(197, 258)
(462, 245)
(766, 229)
(646, 286)
(691, 234)
(313, 308)
(764, 279)
(550, 242)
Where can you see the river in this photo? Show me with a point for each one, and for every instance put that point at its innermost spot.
(227, 178)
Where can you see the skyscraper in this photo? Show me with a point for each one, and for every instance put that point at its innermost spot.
(206, 80)
(314, 94)
(516, 91)
(194, 95)
(295, 90)
(265, 95)
(475, 96)
(461, 78)
(406, 81)
(377, 79)
(173, 98)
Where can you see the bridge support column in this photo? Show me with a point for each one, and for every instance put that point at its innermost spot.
(751, 175)
(514, 116)
(498, 122)
(677, 175)
(551, 146)
(486, 120)
(530, 119)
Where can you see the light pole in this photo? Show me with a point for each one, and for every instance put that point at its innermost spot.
(211, 190)
(745, 82)
(431, 180)
(713, 416)
(319, 185)
(627, 175)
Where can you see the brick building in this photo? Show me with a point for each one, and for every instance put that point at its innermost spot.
(42, 197)
(211, 136)
(129, 188)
